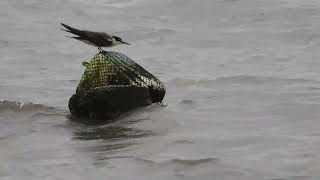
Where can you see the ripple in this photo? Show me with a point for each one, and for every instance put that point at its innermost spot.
(186, 101)
(194, 162)
(293, 178)
(245, 80)
(258, 79)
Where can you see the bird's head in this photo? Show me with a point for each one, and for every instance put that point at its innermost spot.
(119, 40)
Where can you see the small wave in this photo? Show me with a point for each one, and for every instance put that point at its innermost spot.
(194, 162)
(20, 106)
(117, 3)
(238, 80)
(184, 141)
(182, 82)
(258, 79)
(179, 161)
(293, 178)
(186, 101)
(4, 42)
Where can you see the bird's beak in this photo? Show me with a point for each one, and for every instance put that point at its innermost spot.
(125, 43)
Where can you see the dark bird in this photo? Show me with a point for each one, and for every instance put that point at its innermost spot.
(98, 39)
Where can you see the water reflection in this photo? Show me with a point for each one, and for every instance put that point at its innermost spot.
(109, 133)
(111, 140)
(104, 142)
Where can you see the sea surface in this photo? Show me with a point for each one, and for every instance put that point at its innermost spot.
(242, 79)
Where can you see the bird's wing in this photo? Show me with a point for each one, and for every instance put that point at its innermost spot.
(100, 35)
(100, 38)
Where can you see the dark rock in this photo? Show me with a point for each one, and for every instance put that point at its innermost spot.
(109, 102)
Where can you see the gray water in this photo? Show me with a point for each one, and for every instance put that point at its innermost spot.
(243, 90)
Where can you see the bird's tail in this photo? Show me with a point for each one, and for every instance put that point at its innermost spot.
(78, 38)
(71, 29)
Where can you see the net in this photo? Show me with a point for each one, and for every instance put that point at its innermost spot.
(111, 69)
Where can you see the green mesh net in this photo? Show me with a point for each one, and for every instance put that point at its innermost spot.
(108, 69)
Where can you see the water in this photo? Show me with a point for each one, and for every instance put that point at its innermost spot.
(243, 90)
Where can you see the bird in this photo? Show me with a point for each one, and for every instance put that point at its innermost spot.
(98, 39)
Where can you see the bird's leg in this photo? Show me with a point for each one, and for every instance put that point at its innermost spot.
(101, 50)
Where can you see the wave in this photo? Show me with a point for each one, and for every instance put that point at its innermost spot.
(180, 161)
(293, 178)
(194, 162)
(259, 79)
(238, 79)
(17, 106)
